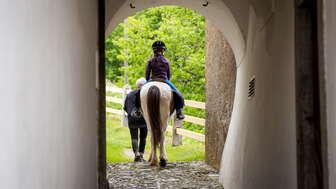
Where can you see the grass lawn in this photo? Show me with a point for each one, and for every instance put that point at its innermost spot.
(119, 141)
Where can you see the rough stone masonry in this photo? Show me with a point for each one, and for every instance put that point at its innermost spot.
(220, 90)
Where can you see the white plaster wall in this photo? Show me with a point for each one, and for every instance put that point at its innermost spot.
(260, 150)
(330, 77)
(47, 86)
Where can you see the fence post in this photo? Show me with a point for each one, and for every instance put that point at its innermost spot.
(124, 120)
(176, 138)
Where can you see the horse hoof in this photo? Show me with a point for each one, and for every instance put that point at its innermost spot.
(163, 163)
(153, 163)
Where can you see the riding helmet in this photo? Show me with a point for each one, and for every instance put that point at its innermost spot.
(158, 45)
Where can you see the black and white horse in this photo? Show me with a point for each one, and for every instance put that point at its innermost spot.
(157, 107)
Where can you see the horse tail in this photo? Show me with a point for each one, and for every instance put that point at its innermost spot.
(153, 107)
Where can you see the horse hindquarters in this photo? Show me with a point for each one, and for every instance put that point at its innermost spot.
(153, 109)
(156, 101)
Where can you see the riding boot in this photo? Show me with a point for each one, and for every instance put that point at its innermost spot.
(179, 114)
(179, 104)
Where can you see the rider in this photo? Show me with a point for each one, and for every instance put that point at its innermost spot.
(158, 68)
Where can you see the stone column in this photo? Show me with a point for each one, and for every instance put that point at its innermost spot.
(220, 89)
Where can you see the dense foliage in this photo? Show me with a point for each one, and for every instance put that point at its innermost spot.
(182, 30)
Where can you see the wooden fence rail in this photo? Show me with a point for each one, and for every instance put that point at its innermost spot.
(177, 131)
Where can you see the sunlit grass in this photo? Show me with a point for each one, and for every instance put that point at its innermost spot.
(119, 139)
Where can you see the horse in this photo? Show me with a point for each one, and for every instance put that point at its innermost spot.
(157, 106)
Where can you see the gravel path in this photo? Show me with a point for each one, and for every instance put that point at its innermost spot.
(187, 175)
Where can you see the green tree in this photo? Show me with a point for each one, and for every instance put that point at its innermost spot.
(182, 30)
(112, 63)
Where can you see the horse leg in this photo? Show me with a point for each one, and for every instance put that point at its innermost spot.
(150, 156)
(163, 157)
(151, 150)
(153, 159)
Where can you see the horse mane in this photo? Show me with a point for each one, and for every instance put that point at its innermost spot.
(153, 108)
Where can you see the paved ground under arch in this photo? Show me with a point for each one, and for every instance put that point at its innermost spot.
(186, 175)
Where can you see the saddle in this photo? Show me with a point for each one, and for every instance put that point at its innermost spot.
(159, 80)
(177, 100)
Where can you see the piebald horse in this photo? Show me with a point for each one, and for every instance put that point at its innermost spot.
(157, 107)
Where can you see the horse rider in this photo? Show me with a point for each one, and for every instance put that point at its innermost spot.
(136, 124)
(158, 69)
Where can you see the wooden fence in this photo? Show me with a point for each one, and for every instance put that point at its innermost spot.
(176, 128)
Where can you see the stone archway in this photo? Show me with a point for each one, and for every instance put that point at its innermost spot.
(260, 149)
(222, 34)
(220, 90)
(217, 12)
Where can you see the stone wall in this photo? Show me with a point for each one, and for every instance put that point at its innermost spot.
(220, 89)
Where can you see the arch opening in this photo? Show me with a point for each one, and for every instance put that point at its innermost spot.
(186, 46)
(224, 43)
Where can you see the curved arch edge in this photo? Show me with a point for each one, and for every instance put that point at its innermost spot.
(216, 12)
